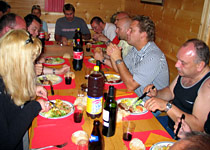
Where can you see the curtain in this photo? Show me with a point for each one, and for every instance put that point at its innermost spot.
(54, 5)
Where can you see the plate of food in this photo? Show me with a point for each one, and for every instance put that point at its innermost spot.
(54, 61)
(62, 109)
(161, 145)
(92, 61)
(128, 105)
(44, 79)
(113, 79)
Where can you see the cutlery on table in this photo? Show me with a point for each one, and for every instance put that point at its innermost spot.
(179, 126)
(51, 87)
(58, 146)
(125, 107)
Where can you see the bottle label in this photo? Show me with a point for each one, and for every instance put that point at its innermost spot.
(106, 115)
(78, 55)
(94, 105)
(93, 138)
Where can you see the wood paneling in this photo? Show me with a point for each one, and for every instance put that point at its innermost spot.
(176, 21)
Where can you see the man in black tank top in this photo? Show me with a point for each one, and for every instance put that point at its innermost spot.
(189, 93)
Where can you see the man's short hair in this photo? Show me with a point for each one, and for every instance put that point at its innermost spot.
(96, 19)
(4, 6)
(202, 50)
(29, 19)
(197, 141)
(8, 20)
(146, 25)
(68, 7)
(35, 7)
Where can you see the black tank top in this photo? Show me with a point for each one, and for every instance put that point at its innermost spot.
(184, 97)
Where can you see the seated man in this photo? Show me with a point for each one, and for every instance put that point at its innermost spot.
(4, 8)
(65, 27)
(121, 31)
(189, 92)
(145, 63)
(33, 24)
(105, 32)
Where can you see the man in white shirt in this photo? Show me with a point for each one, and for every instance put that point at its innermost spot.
(104, 31)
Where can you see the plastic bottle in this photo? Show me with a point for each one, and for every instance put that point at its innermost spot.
(96, 140)
(42, 38)
(78, 35)
(95, 93)
(109, 114)
(78, 56)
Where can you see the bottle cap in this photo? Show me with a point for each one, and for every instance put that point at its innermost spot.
(96, 68)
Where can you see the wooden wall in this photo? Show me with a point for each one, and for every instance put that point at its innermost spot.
(84, 8)
(176, 21)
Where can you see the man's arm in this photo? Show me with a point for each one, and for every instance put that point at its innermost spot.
(126, 76)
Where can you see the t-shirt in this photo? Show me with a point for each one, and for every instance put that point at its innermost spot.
(44, 26)
(109, 31)
(65, 28)
(148, 66)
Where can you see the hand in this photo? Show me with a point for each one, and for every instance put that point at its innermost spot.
(95, 36)
(64, 40)
(41, 92)
(154, 104)
(184, 128)
(38, 69)
(102, 38)
(63, 70)
(114, 52)
(152, 92)
(98, 56)
(44, 105)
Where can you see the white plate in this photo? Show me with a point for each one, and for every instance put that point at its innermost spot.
(138, 113)
(66, 102)
(52, 77)
(158, 145)
(55, 62)
(117, 79)
(92, 61)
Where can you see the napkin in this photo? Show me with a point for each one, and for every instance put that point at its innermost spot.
(147, 115)
(62, 85)
(144, 136)
(66, 61)
(91, 65)
(155, 138)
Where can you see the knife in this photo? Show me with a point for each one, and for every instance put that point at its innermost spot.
(51, 87)
(179, 126)
(144, 95)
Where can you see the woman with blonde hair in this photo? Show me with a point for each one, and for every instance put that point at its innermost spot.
(18, 89)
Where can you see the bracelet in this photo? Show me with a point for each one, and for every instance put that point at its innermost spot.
(53, 70)
(117, 62)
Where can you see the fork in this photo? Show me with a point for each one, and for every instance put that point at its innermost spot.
(51, 102)
(58, 146)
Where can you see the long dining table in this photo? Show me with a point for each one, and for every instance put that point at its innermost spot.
(45, 132)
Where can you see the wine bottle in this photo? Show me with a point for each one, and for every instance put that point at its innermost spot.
(109, 114)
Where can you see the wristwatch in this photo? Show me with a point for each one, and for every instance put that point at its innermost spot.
(168, 106)
(103, 60)
(117, 62)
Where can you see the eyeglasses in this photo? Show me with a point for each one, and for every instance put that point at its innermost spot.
(29, 40)
(36, 7)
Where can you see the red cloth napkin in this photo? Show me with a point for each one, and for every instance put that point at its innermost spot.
(49, 42)
(144, 135)
(117, 86)
(66, 61)
(56, 131)
(62, 85)
(91, 65)
(147, 115)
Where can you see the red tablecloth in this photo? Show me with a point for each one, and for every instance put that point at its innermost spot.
(56, 131)
(91, 65)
